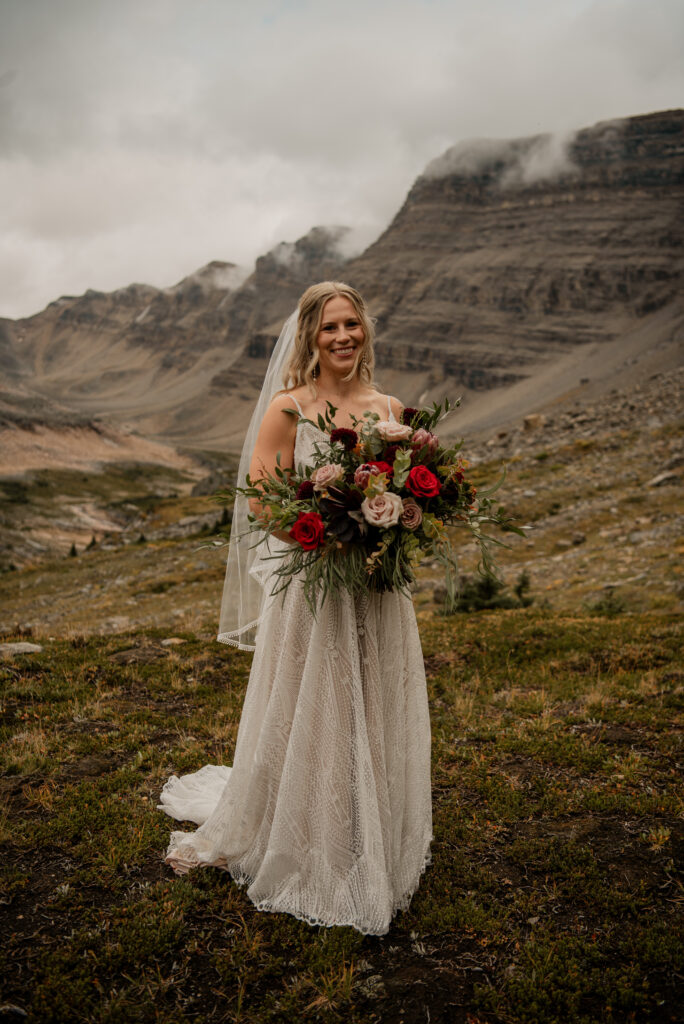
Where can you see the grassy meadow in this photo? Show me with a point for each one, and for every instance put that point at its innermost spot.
(553, 895)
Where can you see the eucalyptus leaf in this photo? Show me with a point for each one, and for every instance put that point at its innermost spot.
(402, 467)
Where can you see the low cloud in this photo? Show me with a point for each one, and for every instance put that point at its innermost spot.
(510, 162)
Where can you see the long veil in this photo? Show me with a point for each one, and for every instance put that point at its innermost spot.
(243, 590)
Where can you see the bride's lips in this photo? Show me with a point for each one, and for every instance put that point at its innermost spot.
(348, 351)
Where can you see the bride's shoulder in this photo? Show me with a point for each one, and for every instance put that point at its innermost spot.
(274, 420)
(389, 402)
(291, 399)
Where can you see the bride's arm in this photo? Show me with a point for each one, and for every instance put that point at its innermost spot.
(277, 434)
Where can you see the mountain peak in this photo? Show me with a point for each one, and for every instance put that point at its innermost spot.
(217, 274)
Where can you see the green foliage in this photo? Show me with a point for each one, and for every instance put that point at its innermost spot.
(610, 604)
(477, 593)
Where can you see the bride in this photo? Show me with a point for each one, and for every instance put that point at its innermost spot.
(326, 811)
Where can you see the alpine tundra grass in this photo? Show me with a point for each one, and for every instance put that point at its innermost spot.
(558, 804)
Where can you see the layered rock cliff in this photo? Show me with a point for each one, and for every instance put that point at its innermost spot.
(512, 267)
(507, 254)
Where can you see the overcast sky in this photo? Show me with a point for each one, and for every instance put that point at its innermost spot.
(140, 139)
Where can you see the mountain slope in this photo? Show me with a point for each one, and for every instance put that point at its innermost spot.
(515, 273)
(507, 256)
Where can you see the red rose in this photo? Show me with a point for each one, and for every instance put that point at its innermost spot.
(308, 530)
(422, 483)
(381, 467)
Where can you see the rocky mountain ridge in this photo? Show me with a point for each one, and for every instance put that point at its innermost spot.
(511, 266)
(511, 254)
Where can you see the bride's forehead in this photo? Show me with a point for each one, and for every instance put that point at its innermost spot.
(338, 307)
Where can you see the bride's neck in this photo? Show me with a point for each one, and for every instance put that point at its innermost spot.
(330, 386)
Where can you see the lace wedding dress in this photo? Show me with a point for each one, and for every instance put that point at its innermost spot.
(326, 812)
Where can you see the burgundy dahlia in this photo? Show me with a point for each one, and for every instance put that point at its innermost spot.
(408, 414)
(390, 453)
(344, 436)
(305, 490)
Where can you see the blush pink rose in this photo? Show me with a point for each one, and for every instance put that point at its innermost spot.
(382, 510)
(392, 431)
(326, 476)
(412, 515)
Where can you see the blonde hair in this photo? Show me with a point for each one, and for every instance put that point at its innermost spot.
(304, 361)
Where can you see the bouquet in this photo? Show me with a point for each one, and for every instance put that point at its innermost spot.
(378, 499)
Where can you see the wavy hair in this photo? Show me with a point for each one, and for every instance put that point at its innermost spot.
(302, 368)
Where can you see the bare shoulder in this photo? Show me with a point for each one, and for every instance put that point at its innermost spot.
(279, 416)
(396, 406)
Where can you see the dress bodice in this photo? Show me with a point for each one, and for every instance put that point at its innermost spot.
(308, 436)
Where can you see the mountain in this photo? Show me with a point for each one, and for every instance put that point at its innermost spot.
(527, 265)
(517, 272)
(182, 364)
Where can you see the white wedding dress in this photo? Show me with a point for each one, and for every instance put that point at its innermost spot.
(326, 812)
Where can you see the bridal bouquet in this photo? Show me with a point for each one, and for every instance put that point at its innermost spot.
(377, 500)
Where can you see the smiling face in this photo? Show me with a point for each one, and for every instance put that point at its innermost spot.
(340, 336)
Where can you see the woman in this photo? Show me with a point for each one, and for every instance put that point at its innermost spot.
(326, 812)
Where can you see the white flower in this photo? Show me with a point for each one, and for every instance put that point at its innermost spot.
(383, 510)
(390, 430)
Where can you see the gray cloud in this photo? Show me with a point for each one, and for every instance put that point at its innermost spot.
(141, 139)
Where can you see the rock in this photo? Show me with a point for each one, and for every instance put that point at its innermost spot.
(117, 624)
(172, 641)
(10, 1012)
(663, 478)
(19, 647)
(137, 656)
(578, 538)
(217, 480)
(534, 421)
(529, 493)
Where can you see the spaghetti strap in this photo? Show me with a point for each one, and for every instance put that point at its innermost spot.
(299, 408)
(390, 414)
